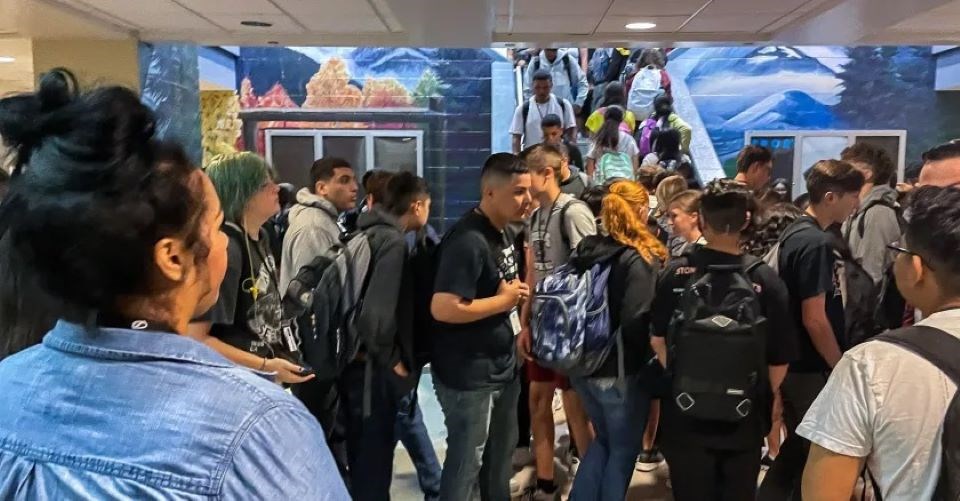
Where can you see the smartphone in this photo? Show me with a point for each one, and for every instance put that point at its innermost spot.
(306, 370)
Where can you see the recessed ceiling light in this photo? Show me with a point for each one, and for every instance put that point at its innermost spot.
(641, 26)
(7, 59)
(256, 24)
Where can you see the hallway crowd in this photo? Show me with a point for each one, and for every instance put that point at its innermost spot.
(175, 332)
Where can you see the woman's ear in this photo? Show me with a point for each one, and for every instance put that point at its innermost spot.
(170, 258)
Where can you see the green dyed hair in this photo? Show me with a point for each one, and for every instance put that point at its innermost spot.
(237, 177)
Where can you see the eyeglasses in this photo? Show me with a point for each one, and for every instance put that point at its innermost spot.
(902, 250)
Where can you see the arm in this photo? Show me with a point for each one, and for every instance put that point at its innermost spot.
(452, 309)
(636, 163)
(582, 86)
(378, 324)
(570, 120)
(525, 339)
(777, 374)
(815, 321)
(686, 133)
(580, 224)
(638, 296)
(200, 331)
(829, 476)
(591, 167)
(518, 128)
(517, 138)
(664, 303)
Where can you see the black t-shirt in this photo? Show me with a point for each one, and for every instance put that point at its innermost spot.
(250, 323)
(809, 267)
(474, 257)
(781, 343)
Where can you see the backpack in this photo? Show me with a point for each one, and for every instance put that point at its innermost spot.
(566, 67)
(772, 257)
(599, 65)
(325, 297)
(423, 260)
(943, 351)
(717, 343)
(859, 304)
(645, 89)
(613, 165)
(570, 321)
(890, 304)
(645, 135)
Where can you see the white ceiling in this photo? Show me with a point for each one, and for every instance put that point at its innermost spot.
(485, 22)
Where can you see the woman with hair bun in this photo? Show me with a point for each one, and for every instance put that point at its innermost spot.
(117, 402)
(619, 409)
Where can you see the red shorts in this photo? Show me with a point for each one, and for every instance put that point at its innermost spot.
(538, 374)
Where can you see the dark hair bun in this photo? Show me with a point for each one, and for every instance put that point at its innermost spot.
(93, 191)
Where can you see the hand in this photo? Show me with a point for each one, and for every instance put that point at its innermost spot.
(287, 372)
(400, 370)
(524, 344)
(577, 109)
(514, 290)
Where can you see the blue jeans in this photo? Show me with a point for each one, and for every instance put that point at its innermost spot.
(619, 416)
(481, 435)
(410, 430)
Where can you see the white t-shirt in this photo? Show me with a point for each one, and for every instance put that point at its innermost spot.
(626, 144)
(532, 134)
(887, 404)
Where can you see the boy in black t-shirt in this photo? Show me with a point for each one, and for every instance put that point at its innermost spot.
(476, 299)
(710, 459)
(809, 268)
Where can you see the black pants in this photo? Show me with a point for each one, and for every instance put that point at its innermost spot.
(523, 411)
(322, 400)
(701, 474)
(783, 480)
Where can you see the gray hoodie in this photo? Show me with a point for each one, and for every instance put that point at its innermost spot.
(312, 230)
(881, 227)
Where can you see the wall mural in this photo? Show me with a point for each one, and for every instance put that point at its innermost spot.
(739, 89)
(170, 85)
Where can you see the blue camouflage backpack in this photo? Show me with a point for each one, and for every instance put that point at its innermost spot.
(571, 320)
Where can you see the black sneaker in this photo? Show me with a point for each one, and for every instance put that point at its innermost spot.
(649, 460)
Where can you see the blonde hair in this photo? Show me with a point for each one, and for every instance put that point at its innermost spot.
(687, 201)
(669, 188)
(624, 217)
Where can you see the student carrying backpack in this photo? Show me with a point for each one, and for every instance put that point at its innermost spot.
(646, 87)
(613, 154)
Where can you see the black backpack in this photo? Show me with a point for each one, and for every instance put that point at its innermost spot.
(890, 304)
(326, 297)
(423, 261)
(943, 351)
(717, 341)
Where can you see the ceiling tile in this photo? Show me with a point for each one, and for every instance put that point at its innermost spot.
(656, 8)
(616, 24)
(560, 25)
(748, 8)
(281, 24)
(529, 8)
(246, 7)
(351, 16)
(727, 23)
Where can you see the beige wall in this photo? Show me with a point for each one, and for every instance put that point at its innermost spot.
(18, 75)
(94, 62)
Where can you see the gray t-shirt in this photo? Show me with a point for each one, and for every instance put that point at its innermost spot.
(550, 249)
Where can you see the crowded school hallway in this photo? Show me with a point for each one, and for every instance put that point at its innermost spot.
(668, 261)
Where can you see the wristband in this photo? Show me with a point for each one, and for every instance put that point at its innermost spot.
(263, 366)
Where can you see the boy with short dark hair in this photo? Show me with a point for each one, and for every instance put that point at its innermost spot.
(755, 167)
(712, 459)
(808, 266)
(876, 223)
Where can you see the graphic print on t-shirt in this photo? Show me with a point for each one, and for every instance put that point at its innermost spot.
(264, 314)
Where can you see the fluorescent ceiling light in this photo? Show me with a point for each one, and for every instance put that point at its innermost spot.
(7, 59)
(641, 26)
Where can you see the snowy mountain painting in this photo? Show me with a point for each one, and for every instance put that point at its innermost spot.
(740, 89)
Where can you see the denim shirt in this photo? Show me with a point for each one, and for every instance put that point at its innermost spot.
(124, 414)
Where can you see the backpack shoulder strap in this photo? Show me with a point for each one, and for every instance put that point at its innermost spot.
(933, 345)
(751, 263)
(566, 66)
(794, 228)
(564, 234)
(862, 224)
(526, 113)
